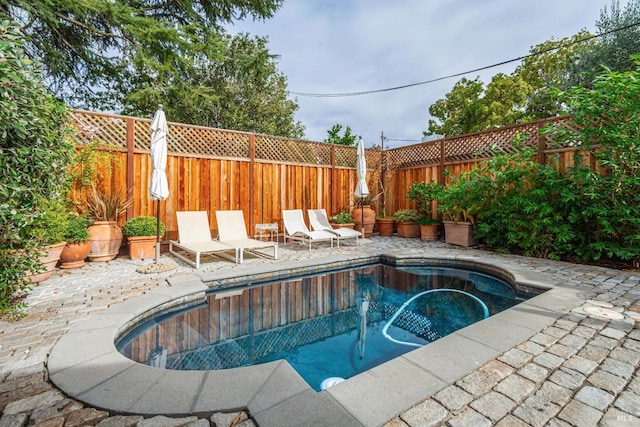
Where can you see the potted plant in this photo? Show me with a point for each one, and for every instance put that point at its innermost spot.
(141, 234)
(458, 212)
(104, 234)
(424, 195)
(407, 222)
(364, 215)
(77, 237)
(385, 225)
(342, 220)
(48, 230)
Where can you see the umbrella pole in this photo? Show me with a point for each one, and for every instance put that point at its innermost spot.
(362, 212)
(158, 231)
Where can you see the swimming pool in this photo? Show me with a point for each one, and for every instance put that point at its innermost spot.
(331, 325)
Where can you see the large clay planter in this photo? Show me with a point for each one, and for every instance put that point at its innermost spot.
(429, 232)
(369, 215)
(74, 254)
(142, 247)
(105, 238)
(385, 226)
(49, 259)
(408, 229)
(459, 233)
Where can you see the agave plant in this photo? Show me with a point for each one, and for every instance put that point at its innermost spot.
(106, 207)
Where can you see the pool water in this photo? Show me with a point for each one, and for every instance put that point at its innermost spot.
(331, 325)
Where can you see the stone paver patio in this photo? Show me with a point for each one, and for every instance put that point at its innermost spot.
(581, 370)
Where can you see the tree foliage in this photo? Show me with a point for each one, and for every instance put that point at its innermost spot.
(35, 152)
(241, 91)
(89, 44)
(528, 93)
(334, 137)
(590, 210)
(613, 49)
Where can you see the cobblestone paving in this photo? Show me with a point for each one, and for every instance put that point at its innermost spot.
(581, 371)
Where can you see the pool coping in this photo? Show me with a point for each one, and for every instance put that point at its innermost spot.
(86, 365)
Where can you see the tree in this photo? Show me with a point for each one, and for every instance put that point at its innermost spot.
(504, 102)
(458, 111)
(333, 136)
(509, 99)
(243, 90)
(620, 39)
(92, 47)
(548, 66)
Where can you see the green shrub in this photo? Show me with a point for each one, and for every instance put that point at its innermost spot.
(522, 204)
(77, 230)
(342, 218)
(35, 154)
(49, 226)
(424, 194)
(406, 215)
(142, 226)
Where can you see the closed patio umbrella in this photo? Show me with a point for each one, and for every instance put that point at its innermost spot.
(159, 187)
(362, 190)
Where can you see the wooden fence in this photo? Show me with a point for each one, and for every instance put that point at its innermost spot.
(210, 169)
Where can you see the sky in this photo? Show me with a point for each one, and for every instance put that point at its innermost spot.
(343, 46)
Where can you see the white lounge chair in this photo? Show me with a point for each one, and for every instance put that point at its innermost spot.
(296, 229)
(320, 222)
(232, 231)
(195, 238)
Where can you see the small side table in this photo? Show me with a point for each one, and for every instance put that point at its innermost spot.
(261, 229)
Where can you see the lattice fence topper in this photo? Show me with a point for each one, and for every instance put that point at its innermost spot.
(247, 349)
(203, 141)
(91, 126)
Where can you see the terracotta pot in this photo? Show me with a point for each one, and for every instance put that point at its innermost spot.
(105, 238)
(350, 225)
(408, 229)
(142, 247)
(385, 226)
(73, 254)
(369, 215)
(429, 232)
(49, 259)
(459, 233)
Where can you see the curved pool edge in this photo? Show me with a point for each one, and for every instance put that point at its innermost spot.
(86, 365)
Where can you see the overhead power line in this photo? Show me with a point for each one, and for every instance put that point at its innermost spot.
(520, 58)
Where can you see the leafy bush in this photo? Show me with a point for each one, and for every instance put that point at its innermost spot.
(524, 204)
(461, 199)
(342, 218)
(406, 215)
(424, 194)
(49, 226)
(35, 153)
(142, 226)
(77, 230)
(606, 210)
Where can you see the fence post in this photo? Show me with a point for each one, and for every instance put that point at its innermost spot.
(542, 145)
(332, 192)
(442, 158)
(130, 173)
(252, 158)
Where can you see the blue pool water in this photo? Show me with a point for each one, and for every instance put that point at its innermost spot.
(331, 325)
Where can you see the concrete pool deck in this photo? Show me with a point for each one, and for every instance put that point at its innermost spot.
(543, 361)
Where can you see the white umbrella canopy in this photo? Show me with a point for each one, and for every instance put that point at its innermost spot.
(362, 190)
(159, 187)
